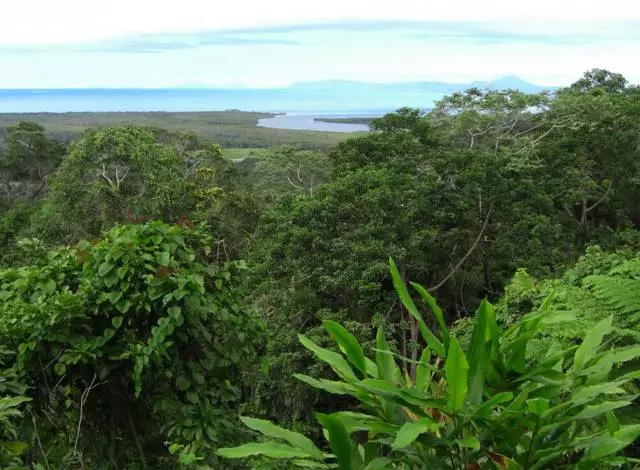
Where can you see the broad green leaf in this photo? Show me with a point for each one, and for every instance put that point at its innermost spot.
(592, 342)
(308, 464)
(272, 450)
(331, 386)
(613, 423)
(423, 373)
(271, 430)
(590, 392)
(480, 351)
(381, 463)
(401, 289)
(164, 258)
(353, 421)
(469, 442)
(456, 371)
(116, 322)
(347, 343)
(335, 360)
(60, 368)
(104, 268)
(592, 411)
(340, 442)
(437, 312)
(410, 432)
(115, 296)
(604, 445)
(538, 405)
(183, 383)
(485, 409)
(387, 368)
(15, 447)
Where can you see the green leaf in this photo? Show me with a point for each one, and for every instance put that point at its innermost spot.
(381, 463)
(410, 432)
(305, 464)
(353, 422)
(50, 286)
(487, 407)
(123, 306)
(423, 373)
(60, 368)
(183, 383)
(603, 445)
(590, 392)
(116, 322)
(335, 360)
(331, 386)
(613, 423)
(122, 271)
(480, 349)
(347, 343)
(538, 405)
(104, 268)
(456, 371)
(272, 450)
(164, 258)
(469, 442)
(592, 411)
(192, 397)
(401, 290)
(591, 342)
(437, 312)
(115, 296)
(15, 447)
(174, 312)
(271, 430)
(340, 442)
(387, 368)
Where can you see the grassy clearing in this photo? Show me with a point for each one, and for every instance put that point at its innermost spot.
(233, 129)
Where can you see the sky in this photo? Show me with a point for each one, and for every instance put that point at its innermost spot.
(261, 43)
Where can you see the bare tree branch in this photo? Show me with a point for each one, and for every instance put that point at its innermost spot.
(599, 201)
(35, 428)
(464, 258)
(105, 176)
(295, 185)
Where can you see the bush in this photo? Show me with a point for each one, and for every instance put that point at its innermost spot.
(480, 408)
(127, 342)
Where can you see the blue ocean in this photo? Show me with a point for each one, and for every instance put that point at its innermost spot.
(274, 100)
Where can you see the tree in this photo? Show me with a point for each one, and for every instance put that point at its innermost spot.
(28, 158)
(128, 342)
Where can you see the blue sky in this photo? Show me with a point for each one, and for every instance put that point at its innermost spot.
(139, 43)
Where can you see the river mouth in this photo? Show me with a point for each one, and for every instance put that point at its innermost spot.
(312, 122)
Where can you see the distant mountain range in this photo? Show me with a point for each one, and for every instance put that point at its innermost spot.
(509, 82)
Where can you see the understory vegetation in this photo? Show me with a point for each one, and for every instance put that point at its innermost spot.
(451, 290)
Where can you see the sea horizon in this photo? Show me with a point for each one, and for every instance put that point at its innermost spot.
(277, 101)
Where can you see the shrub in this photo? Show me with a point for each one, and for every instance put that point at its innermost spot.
(480, 408)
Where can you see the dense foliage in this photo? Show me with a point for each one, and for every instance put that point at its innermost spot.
(135, 336)
(154, 285)
(484, 408)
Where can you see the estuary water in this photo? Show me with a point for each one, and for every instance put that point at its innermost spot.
(299, 107)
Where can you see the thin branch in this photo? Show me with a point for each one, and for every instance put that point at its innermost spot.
(104, 175)
(598, 202)
(295, 185)
(35, 428)
(83, 400)
(464, 258)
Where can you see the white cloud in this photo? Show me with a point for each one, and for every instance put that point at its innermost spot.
(64, 21)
